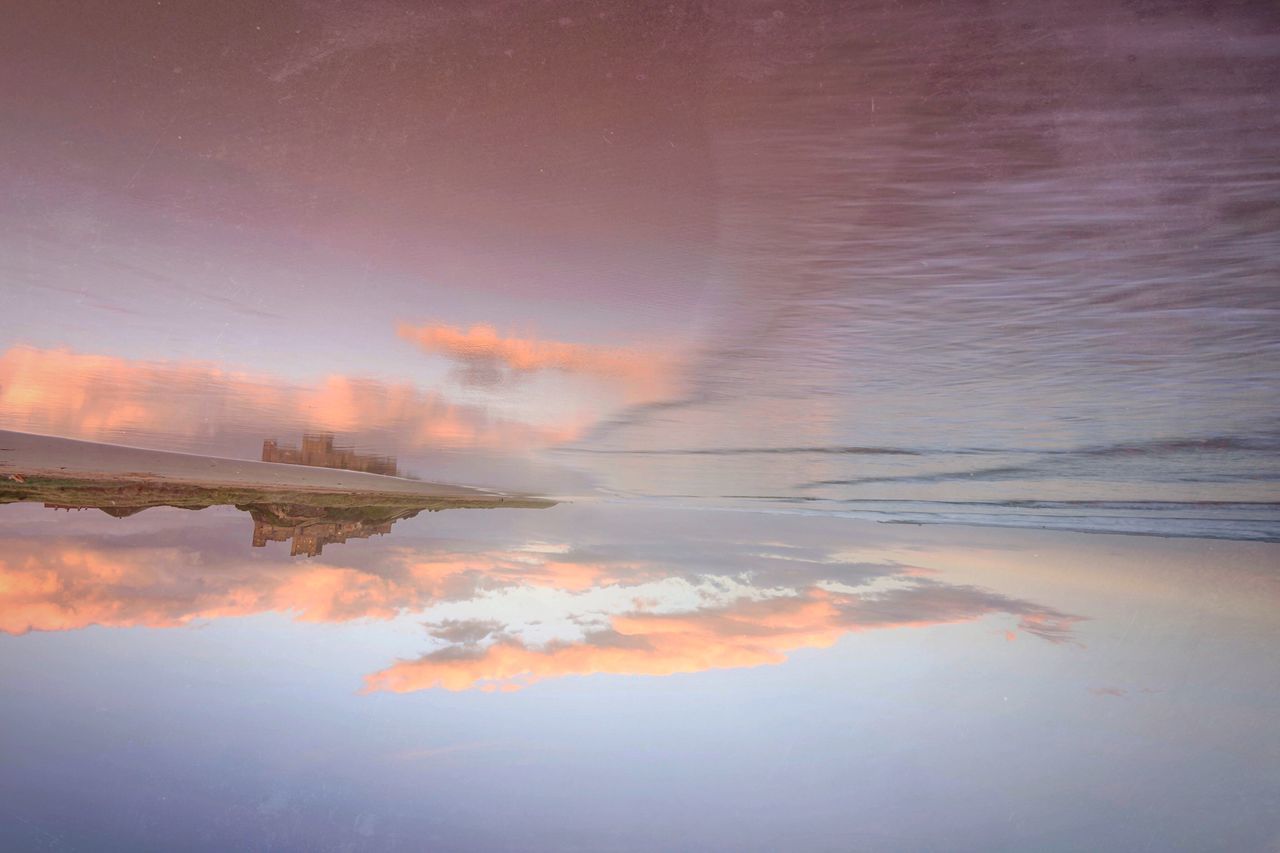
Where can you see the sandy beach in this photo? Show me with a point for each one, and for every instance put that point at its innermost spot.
(29, 455)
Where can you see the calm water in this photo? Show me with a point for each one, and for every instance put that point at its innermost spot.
(738, 280)
(608, 677)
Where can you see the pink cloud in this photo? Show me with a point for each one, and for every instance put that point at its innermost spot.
(487, 357)
(101, 397)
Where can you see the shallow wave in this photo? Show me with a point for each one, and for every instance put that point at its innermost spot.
(1179, 445)
(753, 451)
(1244, 521)
(1000, 473)
(1129, 448)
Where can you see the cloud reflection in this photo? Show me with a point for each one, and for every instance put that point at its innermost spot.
(747, 632)
(74, 582)
(505, 617)
(68, 584)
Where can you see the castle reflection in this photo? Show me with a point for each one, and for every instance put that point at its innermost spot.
(308, 533)
(308, 528)
(308, 521)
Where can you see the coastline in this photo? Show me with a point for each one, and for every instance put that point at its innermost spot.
(61, 460)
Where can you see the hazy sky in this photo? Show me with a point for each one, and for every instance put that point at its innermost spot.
(497, 227)
(1018, 260)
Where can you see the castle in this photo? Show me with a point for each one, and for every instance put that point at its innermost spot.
(318, 451)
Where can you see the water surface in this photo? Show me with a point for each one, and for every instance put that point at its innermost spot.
(604, 676)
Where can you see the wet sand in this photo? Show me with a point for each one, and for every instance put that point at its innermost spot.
(31, 456)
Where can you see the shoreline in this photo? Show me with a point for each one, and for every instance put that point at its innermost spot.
(29, 455)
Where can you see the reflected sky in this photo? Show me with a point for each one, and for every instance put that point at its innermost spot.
(461, 680)
(516, 615)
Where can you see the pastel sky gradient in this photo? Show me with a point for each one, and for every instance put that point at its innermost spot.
(623, 229)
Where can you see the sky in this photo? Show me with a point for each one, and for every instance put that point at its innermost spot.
(504, 228)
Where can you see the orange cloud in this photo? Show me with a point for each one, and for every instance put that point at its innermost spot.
(100, 397)
(746, 633)
(484, 354)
